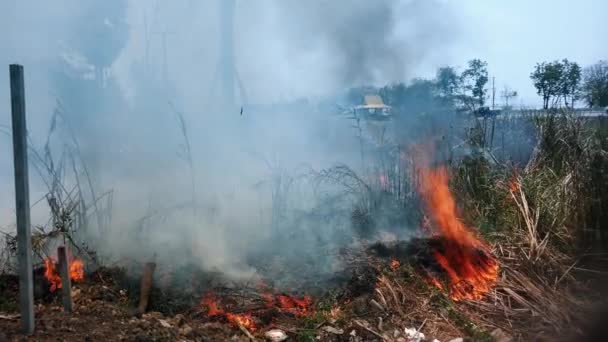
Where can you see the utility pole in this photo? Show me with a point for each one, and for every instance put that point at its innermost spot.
(493, 91)
(22, 200)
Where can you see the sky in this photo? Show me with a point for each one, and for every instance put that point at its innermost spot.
(288, 48)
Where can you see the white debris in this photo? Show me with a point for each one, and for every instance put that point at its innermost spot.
(276, 335)
(333, 330)
(164, 323)
(459, 339)
(413, 335)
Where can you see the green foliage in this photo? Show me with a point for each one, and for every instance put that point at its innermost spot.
(417, 97)
(595, 85)
(474, 79)
(448, 84)
(563, 185)
(557, 80)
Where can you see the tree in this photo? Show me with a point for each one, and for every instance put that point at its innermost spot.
(570, 82)
(448, 84)
(595, 84)
(547, 78)
(557, 80)
(474, 80)
(508, 94)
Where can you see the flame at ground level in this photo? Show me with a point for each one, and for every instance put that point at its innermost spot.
(297, 307)
(51, 274)
(464, 257)
(214, 310)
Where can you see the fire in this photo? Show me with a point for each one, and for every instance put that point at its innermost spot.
(395, 264)
(295, 306)
(472, 271)
(76, 270)
(214, 310)
(244, 320)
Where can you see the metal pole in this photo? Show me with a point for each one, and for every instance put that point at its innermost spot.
(22, 199)
(66, 284)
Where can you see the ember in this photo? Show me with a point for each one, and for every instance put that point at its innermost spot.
(53, 277)
(395, 264)
(472, 271)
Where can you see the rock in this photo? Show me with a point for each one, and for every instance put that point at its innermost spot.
(275, 335)
(500, 336)
(164, 323)
(179, 320)
(185, 330)
(332, 330)
(413, 335)
(458, 339)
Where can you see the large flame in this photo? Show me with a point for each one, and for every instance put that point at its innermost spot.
(51, 274)
(471, 269)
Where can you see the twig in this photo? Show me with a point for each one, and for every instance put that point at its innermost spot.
(421, 325)
(369, 329)
(246, 332)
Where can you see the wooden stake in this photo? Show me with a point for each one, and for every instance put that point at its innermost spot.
(22, 200)
(66, 283)
(146, 285)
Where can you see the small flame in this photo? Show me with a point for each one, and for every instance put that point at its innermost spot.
(464, 257)
(395, 264)
(244, 320)
(295, 306)
(76, 270)
(214, 310)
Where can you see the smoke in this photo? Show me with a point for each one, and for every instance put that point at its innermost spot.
(365, 42)
(195, 182)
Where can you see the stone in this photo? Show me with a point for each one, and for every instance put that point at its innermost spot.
(275, 335)
(179, 320)
(413, 335)
(185, 330)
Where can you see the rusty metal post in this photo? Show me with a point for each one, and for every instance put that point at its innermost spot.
(22, 200)
(66, 283)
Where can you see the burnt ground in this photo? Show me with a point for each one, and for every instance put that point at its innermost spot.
(376, 300)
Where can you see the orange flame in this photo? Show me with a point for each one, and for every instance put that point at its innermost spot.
(464, 257)
(214, 310)
(50, 272)
(395, 264)
(295, 306)
(245, 320)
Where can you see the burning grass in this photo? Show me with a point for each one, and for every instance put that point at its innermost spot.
(472, 271)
